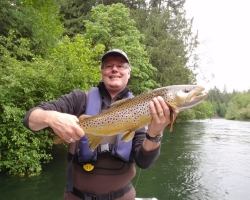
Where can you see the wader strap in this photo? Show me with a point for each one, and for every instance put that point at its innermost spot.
(110, 196)
(71, 158)
(69, 182)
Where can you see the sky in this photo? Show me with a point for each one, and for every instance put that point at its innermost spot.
(224, 34)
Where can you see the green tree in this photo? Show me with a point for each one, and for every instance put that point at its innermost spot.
(220, 100)
(238, 107)
(24, 84)
(170, 43)
(232, 111)
(37, 21)
(74, 12)
(21, 150)
(204, 110)
(113, 27)
(244, 113)
(168, 37)
(76, 63)
(174, 5)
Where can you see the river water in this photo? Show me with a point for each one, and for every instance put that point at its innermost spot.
(199, 160)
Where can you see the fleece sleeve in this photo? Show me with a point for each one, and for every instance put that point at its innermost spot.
(142, 158)
(73, 103)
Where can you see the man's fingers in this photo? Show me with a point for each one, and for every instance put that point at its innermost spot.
(152, 109)
(161, 107)
(78, 130)
(157, 105)
(79, 133)
(71, 140)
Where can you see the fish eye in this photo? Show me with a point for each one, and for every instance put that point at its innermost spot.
(186, 90)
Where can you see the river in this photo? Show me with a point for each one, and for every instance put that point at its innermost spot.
(199, 160)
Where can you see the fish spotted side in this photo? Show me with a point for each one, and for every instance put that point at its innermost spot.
(127, 115)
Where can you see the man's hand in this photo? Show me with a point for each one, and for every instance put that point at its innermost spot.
(160, 112)
(64, 125)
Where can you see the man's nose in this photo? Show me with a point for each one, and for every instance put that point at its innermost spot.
(114, 67)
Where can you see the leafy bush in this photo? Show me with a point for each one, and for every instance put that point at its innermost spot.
(239, 107)
(202, 111)
(25, 84)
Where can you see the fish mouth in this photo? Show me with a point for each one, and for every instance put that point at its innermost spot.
(196, 95)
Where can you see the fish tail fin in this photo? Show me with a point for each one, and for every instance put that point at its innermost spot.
(57, 139)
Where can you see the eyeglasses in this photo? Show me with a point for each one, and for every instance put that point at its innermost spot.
(120, 66)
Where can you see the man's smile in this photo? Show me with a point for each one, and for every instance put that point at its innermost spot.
(114, 77)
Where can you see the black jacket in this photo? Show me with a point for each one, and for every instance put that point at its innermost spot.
(75, 103)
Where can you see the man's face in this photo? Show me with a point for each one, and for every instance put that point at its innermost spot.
(115, 73)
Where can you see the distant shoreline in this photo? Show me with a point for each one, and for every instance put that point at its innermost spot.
(216, 116)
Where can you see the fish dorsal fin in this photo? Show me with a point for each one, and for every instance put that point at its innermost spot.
(94, 141)
(127, 136)
(119, 103)
(83, 117)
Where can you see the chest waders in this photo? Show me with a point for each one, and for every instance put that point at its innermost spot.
(85, 155)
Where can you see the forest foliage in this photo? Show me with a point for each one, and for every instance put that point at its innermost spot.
(48, 48)
(232, 106)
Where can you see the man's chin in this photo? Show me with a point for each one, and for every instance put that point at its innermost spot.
(114, 83)
(114, 86)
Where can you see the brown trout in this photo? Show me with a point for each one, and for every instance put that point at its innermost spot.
(127, 115)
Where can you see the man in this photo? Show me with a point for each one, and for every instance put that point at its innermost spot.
(106, 174)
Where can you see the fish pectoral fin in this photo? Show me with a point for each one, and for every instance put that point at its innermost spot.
(94, 141)
(128, 135)
(171, 127)
(171, 121)
(119, 103)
